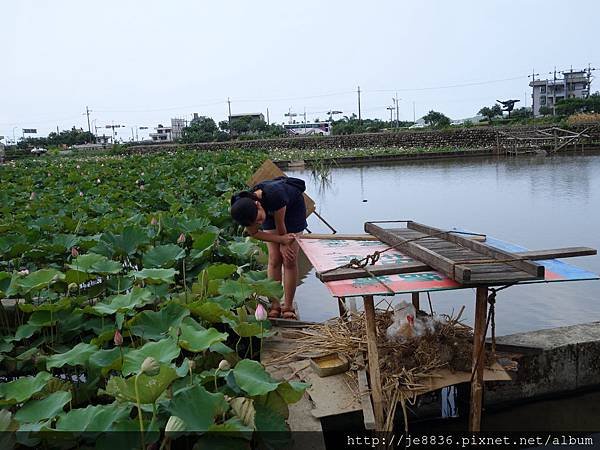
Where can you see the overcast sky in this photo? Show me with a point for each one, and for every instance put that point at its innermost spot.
(139, 63)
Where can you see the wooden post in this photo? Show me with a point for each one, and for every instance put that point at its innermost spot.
(342, 308)
(374, 375)
(415, 301)
(478, 339)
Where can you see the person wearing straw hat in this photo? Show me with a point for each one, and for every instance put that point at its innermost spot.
(274, 211)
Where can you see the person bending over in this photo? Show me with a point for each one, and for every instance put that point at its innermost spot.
(274, 211)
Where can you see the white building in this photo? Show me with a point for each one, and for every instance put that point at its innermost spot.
(177, 126)
(573, 84)
(163, 134)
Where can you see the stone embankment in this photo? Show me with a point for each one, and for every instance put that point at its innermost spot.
(461, 138)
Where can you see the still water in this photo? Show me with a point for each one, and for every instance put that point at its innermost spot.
(539, 202)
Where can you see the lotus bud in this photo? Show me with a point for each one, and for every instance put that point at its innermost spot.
(150, 366)
(191, 364)
(224, 365)
(24, 272)
(141, 187)
(153, 221)
(181, 239)
(261, 313)
(118, 338)
(32, 196)
(80, 194)
(98, 181)
(73, 287)
(74, 252)
(174, 425)
(142, 174)
(78, 167)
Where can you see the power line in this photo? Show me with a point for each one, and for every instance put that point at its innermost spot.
(430, 88)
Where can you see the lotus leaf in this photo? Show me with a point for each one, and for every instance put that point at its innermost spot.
(156, 275)
(163, 256)
(151, 325)
(77, 356)
(108, 360)
(92, 418)
(253, 378)
(211, 312)
(163, 351)
(22, 389)
(40, 279)
(149, 387)
(196, 338)
(46, 408)
(124, 302)
(94, 263)
(197, 407)
(220, 271)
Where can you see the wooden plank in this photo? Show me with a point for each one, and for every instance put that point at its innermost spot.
(363, 392)
(413, 267)
(499, 278)
(339, 237)
(374, 373)
(267, 171)
(478, 364)
(529, 267)
(438, 262)
(415, 301)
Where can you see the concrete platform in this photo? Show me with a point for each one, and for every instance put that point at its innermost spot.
(549, 362)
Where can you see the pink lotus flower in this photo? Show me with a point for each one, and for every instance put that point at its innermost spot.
(153, 221)
(74, 252)
(32, 196)
(80, 194)
(141, 187)
(181, 239)
(118, 339)
(261, 313)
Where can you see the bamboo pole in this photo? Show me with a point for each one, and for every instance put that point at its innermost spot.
(374, 374)
(415, 301)
(478, 361)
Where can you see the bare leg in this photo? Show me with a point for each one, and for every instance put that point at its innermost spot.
(274, 266)
(290, 278)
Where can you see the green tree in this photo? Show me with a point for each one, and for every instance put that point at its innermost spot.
(257, 126)
(570, 106)
(545, 111)
(201, 129)
(436, 119)
(490, 113)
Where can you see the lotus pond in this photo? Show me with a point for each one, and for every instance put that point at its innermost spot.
(128, 301)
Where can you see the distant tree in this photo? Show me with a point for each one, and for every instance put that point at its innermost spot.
(204, 124)
(545, 111)
(490, 113)
(224, 125)
(570, 106)
(520, 113)
(201, 129)
(436, 119)
(257, 126)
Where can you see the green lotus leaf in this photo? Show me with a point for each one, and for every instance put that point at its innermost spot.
(220, 271)
(292, 391)
(267, 288)
(107, 360)
(76, 276)
(163, 256)
(5, 279)
(197, 407)
(124, 302)
(248, 329)
(154, 326)
(132, 238)
(40, 279)
(272, 426)
(243, 250)
(65, 241)
(118, 284)
(211, 312)
(107, 266)
(195, 338)
(156, 275)
(88, 262)
(46, 408)
(149, 387)
(22, 389)
(77, 356)
(163, 351)
(237, 289)
(253, 378)
(203, 241)
(92, 418)
(25, 331)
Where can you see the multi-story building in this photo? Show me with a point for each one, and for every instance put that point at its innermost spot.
(177, 126)
(573, 84)
(163, 134)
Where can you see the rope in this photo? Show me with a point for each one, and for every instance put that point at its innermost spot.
(491, 318)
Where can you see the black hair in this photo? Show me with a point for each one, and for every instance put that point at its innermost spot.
(243, 208)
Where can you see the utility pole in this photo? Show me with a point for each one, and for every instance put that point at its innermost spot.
(396, 101)
(359, 115)
(229, 116)
(414, 114)
(554, 93)
(533, 75)
(589, 77)
(391, 109)
(268, 121)
(87, 113)
(290, 114)
(304, 114)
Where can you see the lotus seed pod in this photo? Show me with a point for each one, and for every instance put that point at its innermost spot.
(150, 366)
(224, 365)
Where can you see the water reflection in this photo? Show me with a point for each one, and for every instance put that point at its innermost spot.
(538, 202)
